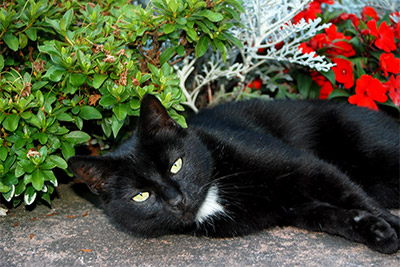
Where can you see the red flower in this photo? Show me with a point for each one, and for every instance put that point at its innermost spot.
(368, 90)
(389, 63)
(319, 41)
(324, 83)
(306, 49)
(369, 12)
(393, 86)
(255, 84)
(333, 34)
(384, 37)
(326, 90)
(343, 72)
(345, 16)
(341, 48)
(311, 12)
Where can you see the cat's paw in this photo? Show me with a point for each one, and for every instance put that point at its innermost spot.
(375, 232)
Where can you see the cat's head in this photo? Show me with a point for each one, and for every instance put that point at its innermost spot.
(156, 181)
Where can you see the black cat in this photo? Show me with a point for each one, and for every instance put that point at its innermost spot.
(246, 166)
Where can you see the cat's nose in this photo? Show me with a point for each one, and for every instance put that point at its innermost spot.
(177, 202)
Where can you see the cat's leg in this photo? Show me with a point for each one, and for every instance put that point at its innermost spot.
(324, 198)
(324, 182)
(355, 225)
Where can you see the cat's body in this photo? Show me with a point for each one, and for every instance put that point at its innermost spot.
(243, 167)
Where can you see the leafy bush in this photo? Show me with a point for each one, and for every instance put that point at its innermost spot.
(73, 70)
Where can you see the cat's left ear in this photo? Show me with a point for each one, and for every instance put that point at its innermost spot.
(91, 170)
(154, 117)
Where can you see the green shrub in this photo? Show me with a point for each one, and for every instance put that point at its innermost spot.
(73, 70)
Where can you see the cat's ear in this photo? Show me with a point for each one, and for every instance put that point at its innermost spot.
(91, 170)
(154, 117)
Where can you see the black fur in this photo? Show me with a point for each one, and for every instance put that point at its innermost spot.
(317, 165)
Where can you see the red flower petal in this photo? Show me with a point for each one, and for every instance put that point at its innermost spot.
(369, 12)
(319, 41)
(393, 86)
(326, 90)
(363, 101)
(368, 90)
(389, 63)
(341, 48)
(384, 36)
(344, 72)
(306, 49)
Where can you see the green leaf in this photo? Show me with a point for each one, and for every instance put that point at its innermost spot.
(89, 113)
(38, 85)
(4, 188)
(42, 137)
(232, 39)
(46, 197)
(23, 40)
(181, 21)
(11, 41)
(19, 171)
(31, 33)
(116, 125)
(66, 20)
(180, 50)
(77, 79)
(167, 54)
(27, 165)
(337, 93)
(58, 161)
(37, 180)
(9, 195)
(64, 117)
(77, 137)
(33, 119)
(191, 33)
(55, 73)
(11, 122)
(330, 75)
(134, 103)
(153, 69)
(120, 111)
(107, 100)
(20, 143)
(47, 165)
(106, 126)
(214, 17)
(168, 28)
(303, 84)
(3, 153)
(1, 62)
(30, 195)
(98, 80)
(67, 149)
(202, 46)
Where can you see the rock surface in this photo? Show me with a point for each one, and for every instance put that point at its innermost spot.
(76, 232)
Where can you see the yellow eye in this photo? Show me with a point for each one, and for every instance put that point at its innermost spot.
(176, 167)
(141, 197)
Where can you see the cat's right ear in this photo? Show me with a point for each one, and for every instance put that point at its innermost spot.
(154, 117)
(91, 170)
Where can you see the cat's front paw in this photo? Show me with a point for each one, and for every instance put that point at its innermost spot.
(375, 232)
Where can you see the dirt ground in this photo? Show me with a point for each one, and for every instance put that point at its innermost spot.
(76, 232)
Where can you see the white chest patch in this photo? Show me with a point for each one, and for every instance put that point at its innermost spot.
(210, 207)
